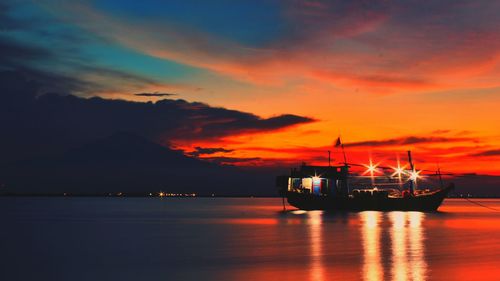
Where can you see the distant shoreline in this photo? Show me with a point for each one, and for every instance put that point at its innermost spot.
(144, 195)
(134, 195)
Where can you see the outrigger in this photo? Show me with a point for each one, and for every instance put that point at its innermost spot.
(331, 188)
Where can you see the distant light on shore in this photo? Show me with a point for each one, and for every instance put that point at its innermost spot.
(165, 194)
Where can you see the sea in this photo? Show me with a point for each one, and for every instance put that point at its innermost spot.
(123, 238)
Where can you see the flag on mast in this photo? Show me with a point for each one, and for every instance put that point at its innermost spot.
(338, 142)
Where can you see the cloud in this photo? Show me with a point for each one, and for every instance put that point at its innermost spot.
(24, 59)
(408, 140)
(233, 160)
(155, 94)
(14, 52)
(208, 150)
(200, 125)
(61, 66)
(441, 132)
(377, 46)
(493, 152)
(48, 123)
(335, 18)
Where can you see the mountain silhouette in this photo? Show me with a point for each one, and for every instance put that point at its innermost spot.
(128, 163)
(127, 149)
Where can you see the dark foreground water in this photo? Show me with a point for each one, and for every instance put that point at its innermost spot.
(241, 239)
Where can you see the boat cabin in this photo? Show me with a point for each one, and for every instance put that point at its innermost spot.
(317, 180)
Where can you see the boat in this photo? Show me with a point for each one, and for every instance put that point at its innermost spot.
(333, 188)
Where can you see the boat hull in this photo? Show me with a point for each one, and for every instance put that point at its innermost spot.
(423, 203)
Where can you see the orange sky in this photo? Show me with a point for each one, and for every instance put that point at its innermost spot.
(424, 75)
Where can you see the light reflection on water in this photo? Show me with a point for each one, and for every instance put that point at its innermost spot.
(418, 265)
(315, 236)
(372, 263)
(407, 247)
(407, 260)
(241, 239)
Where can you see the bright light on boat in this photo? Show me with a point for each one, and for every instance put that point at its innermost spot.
(414, 175)
(371, 168)
(398, 171)
(316, 177)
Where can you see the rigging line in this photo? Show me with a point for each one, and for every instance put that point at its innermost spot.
(479, 204)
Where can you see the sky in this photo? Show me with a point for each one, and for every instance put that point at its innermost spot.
(268, 82)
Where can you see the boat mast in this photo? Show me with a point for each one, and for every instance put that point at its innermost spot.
(413, 171)
(346, 167)
(440, 178)
(343, 151)
(341, 144)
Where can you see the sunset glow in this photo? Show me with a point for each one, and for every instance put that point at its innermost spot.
(250, 140)
(387, 76)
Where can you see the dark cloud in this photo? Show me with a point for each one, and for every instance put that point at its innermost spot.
(48, 123)
(347, 18)
(237, 122)
(13, 52)
(208, 150)
(15, 56)
(200, 123)
(231, 160)
(155, 94)
(21, 58)
(6, 21)
(336, 18)
(68, 68)
(493, 152)
(408, 140)
(440, 132)
(18, 57)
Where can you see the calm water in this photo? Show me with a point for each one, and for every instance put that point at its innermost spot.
(241, 239)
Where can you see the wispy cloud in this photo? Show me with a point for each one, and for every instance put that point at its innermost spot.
(155, 94)
(492, 152)
(409, 140)
(208, 150)
(245, 161)
(55, 57)
(386, 47)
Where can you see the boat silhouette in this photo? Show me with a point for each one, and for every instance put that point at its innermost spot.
(330, 188)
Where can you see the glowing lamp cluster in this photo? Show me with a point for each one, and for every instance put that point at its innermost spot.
(398, 172)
